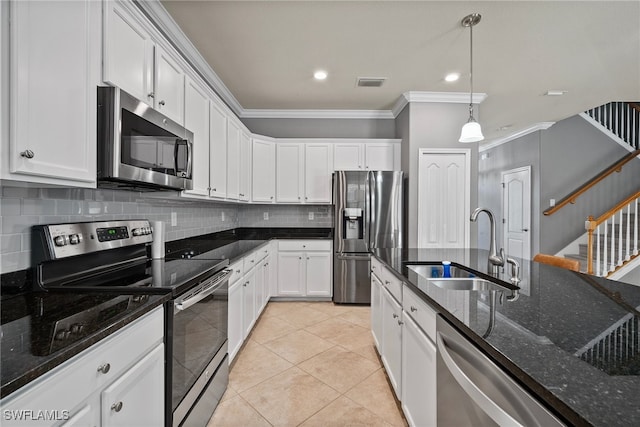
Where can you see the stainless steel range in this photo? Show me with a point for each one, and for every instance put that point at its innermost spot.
(111, 257)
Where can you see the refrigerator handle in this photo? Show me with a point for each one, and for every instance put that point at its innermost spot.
(368, 203)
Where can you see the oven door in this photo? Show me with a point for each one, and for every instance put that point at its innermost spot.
(199, 347)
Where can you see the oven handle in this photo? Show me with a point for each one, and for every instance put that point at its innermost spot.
(185, 304)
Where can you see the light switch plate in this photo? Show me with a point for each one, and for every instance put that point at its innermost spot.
(311, 216)
(552, 202)
(265, 216)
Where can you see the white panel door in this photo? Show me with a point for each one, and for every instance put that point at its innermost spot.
(318, 274)
(289, 179)
(318, 159)
(443, 199)
(235, 318)
(233, 160)
(379, 157)
(348, 156)
(196, 119)
(248, 302)
(263, 171)
(169, 86)
(217, 151)
(128, 53)
(53, 89)
(516, 208)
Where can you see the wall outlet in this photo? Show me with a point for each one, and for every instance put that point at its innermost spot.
(311, 216)
(174, 219)
(552, 202)
(265, 216)
(222, 216)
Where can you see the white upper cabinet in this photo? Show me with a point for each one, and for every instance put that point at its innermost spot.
(233, 159)
(263, 168)
(218, 150)
(348, 156)
(379, 157)
(169, 86)
(244, 169)
(318, 166)
(52, 97)
(196, 119)
(289, 172)
(362, 155)
(128, 52)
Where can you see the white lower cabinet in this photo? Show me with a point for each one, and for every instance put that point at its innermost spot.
(137, 397)
(304, 268)
(376, 310)
(418, 375)
(391, 353)
(235, 329)
(248, 302)
(117, 382)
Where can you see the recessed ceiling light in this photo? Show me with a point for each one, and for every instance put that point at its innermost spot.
(555, 92)
(451, 77)
(320, 75)
(505, 127)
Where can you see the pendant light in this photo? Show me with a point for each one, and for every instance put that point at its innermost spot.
(471, 131)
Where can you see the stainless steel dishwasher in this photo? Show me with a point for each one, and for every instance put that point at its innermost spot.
(473, 391)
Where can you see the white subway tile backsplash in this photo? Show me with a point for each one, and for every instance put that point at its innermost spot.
(10, 206)
(10, 242)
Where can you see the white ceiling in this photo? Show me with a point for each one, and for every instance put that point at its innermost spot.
(265, 53)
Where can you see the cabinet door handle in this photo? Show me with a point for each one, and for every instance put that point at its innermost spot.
(151, 95)
(299, 257)
(104, 368)
(400, 322)
(395, 316)
(238, 271)
(27, 154)
(214, 189)
(307, 257)
(271, 197)
(413, 308)
(386, 282)
(116, 407)
(161, 103)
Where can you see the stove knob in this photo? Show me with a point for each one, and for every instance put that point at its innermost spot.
(60, 240)
(147, 230)
(62, 335)
(74, 239)
(137, 231)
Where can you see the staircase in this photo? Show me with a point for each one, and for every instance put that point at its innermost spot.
(612, 239)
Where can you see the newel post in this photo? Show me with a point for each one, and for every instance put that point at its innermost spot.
(590, 225)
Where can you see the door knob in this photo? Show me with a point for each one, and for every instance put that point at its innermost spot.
(117, 406)
(28, 154)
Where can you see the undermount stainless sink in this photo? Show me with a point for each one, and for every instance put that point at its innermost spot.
(433, 271)
(468, 284)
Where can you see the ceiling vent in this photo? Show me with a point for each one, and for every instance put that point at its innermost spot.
(370, 81)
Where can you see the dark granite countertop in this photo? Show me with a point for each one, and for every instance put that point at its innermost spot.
(27, 347)
(569, 338)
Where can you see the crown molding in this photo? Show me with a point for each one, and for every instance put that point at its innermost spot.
(156, 12)
(534, 128)
(444, 97)
(316, 114)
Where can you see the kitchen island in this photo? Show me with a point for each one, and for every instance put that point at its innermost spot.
(569, 339)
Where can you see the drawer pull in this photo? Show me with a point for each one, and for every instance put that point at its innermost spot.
(386, 282)
(116, 407)
(104, 368)
(238, 271)
(27, 154)
(413, 308)
(400, 322)
(395, 316)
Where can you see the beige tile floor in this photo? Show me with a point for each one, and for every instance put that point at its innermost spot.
(309, 364)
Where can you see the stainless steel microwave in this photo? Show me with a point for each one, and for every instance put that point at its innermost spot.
(140, 148)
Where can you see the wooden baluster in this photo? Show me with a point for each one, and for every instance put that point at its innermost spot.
(598, 256)
(635, 227)
(605, 265)
(621, 226)
(628, 254)
(612, 264)
(589, 225)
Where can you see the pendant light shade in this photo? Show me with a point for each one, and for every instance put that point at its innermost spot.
(471, 131)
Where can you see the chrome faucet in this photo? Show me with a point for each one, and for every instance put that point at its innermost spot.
(495, 261)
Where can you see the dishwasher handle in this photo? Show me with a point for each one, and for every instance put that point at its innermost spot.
(491, 408)
(182, 305)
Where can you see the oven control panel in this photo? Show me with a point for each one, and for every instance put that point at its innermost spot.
(64, 240)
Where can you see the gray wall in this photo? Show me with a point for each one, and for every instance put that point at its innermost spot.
(572, 152)
(322, 128)
(21, 208)
(524, 151)
(432, 125)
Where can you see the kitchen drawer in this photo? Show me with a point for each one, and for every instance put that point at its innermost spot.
(304, 245)
(262, 252)
(420, 311)
(69, 384)
(392, 283)
(250, 261)
(376, 267)
(237, 269)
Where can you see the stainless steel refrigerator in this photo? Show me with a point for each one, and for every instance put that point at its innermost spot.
(368, 215)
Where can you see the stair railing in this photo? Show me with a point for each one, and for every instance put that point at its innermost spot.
(619, 225)
(571, 198)
(620, 118)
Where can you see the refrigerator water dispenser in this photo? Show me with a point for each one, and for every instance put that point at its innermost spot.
(352, 223)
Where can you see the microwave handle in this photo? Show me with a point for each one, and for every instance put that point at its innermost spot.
(189, 158)
(189, 145)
